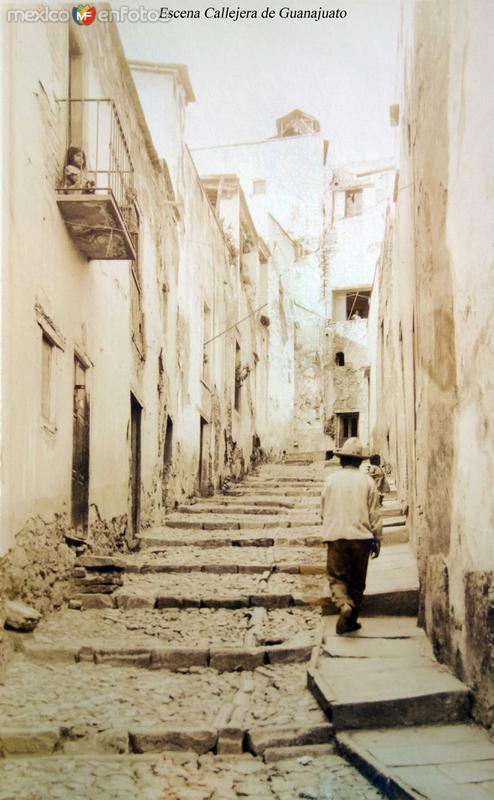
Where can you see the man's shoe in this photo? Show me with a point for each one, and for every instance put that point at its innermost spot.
(353, 626)
(346, 612)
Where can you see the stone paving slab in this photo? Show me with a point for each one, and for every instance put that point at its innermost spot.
(366, 681)
(438, 762)
(182, 776)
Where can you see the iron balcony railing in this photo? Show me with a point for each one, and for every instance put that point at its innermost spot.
(93, 125)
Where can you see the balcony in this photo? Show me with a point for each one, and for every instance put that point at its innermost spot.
(95, 194)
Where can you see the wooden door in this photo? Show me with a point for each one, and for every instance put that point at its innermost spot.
(80, 451)
(135, 464)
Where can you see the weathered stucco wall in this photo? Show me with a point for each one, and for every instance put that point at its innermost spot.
(49, 285)
(434, 332)
(89, 307)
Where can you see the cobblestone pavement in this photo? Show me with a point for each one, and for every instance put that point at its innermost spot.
(181, 703)
(182, 776)
(201, 627)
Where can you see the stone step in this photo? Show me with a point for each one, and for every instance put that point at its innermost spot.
(391, 509)
(160, 539)
(86, 707)
(238, 521)
(237, 508)
(172, 659)
(267, 501)
(289, 481)
(384, 676)
(266, 738)
(189, 632)
(298, 493)
(438, 762)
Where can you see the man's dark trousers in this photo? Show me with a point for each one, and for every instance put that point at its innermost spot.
(347, 571)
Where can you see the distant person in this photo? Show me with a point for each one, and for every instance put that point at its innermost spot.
(352, 527)
(356, 315)
(376, 472)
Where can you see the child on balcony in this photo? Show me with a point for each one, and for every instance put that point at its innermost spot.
(76, 175)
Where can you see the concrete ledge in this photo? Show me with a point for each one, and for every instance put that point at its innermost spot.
(273, 754)
(172, 601)
(399, 603)
(45, 654)
(427, 709)
(281, 654)
(139, 657)
(229, 659)
(264, 738)
(223, 659)
(128, 600)
(178, 658)
(148, 740)
(271, 600)
(227, 601)
(35, 742)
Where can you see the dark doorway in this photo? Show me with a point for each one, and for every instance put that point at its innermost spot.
(167, 457)
(202, 470)
(347, 427)
(80, 451)
(135, 464)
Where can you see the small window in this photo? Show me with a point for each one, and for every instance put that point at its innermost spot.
(47, 355)
(353, 203)
(357, 305)
(259, 187)
(340, 359)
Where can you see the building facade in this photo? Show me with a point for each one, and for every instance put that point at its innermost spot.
(283, 179)
(358, 199)
(130, 379)
(432, 322)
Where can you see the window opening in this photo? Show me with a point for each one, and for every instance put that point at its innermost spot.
(357, 305)
(347, 426)
(340, 359)
(353, 202)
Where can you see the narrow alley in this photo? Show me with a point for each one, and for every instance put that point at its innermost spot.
(147, 659)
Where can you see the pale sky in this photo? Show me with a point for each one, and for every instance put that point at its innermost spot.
(247, 73)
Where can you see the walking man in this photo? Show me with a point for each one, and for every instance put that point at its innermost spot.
(352, 526)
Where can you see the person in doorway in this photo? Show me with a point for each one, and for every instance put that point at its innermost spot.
(376, 472)
(352, 527)
(356, 315)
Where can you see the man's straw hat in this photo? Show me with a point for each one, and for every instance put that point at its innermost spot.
(352, 447)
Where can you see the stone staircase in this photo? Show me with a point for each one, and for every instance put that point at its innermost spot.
(209, 644)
